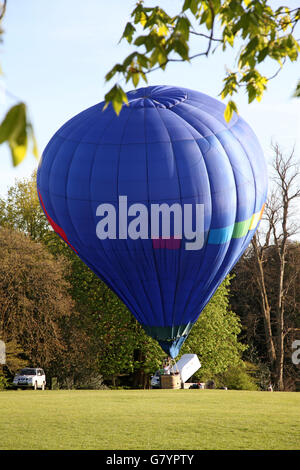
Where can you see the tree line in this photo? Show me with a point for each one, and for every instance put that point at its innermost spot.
(55, 313)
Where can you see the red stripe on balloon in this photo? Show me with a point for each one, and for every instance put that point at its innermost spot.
(54, 225)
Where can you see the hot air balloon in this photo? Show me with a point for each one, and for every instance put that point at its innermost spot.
(160, 201)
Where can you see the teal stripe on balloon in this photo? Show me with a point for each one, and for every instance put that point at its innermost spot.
(220, 235)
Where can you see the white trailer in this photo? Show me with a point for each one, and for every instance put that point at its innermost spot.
(187, 365)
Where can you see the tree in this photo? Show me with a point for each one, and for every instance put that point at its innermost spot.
(38, 320)
(271, 266)
(214, 337)
(245, 299)
(34, 297)
(21, 209)
(251, 27)
(123, 346)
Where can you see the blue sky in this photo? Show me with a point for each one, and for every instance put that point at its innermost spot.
(55, 55)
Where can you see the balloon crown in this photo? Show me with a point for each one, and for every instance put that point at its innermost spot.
(156, 97)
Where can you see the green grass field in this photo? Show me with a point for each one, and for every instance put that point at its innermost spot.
(150, 419)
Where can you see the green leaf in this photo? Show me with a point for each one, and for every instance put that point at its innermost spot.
(13, 123)
(194, 6)
(143, 60)
(183, 26)
(35, 150)
(15, 130)
(252, 45)
(186, 5)
(204, 16)
(163, 30)
(144, 77)
(135, 79)
(18, 151)
(140, 40)
(297, 91)
(252, 92)
(128, 32)
(263, 54)
(230, 108)
(116, 96)
(227, 113)
(181, 48)
(161, 57)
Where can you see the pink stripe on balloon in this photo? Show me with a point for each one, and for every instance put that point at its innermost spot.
(171, 243)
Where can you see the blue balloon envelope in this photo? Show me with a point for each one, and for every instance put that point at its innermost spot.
(160, 201)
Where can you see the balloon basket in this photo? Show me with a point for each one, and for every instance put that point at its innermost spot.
(170, 381)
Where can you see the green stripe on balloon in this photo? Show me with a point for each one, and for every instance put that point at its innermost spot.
(241, 228)
(237, 230)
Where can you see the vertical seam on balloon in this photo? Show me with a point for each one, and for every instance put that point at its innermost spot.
(255, 198)
(72, 120)
(67, 181)
(229, 129)
(226, 129)
(211, 197)
(149, 225)
(55, 216)
(124, 241)
(117, 185)
(110, 281)
(230, 241)
(253, 175)
(199, 119)
(66, 193)
(207, 126)
(118, 170)
(216, 136)
(83, 125)
(67, 176)
(45, 156)
(216, 117)
(205, 248)
(56, 135)
(66, 198)
(120, 148)
(86, 112)
(49, 199)
(50, 174)
(203, 157)
(180, 108)
(180, 198)
(205, 165)
(149, 220)
(93, 163)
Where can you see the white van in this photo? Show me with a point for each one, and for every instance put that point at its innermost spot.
(30, 378)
